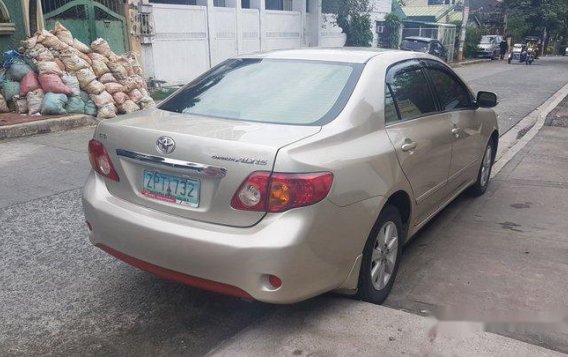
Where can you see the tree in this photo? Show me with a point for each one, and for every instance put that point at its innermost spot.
(392, 27)
(545, 18)
(354, 18)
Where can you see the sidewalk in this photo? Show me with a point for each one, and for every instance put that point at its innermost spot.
(13, 125)
(468, 62)
(336, 326)
(499, 260)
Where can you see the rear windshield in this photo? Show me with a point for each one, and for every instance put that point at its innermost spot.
(414, 45)
(269, 90)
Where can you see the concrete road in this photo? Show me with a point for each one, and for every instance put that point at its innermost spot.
(519, 88)
(62, 296)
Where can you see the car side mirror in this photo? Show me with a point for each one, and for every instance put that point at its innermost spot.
(486, 99)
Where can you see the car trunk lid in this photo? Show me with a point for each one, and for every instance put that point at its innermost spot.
(211, 158)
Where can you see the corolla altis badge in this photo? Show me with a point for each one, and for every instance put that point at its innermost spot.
(242, 160)
(165, 145)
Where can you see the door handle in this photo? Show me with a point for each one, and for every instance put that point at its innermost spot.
(408, 146)
(456, 132)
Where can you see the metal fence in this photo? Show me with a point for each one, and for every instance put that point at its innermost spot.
(445, 33)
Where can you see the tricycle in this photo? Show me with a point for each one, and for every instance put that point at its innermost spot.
(521, 54)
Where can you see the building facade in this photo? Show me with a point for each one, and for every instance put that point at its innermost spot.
(14, 23)
(182, 38)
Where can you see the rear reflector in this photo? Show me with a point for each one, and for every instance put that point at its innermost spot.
(100, 160)
(178, 277)
(279, 192)
(274, 281)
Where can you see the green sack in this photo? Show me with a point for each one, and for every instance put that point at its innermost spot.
(53, 104)
(17, 71)
(90, 108)
(75, 105)
(2, 77)
(10, 89)
(84, 96)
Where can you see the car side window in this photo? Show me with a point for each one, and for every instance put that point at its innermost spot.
(451, 93)
(411, 93)
(391, 114)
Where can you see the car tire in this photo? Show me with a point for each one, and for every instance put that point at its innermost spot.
(381, 257)
(484, 174)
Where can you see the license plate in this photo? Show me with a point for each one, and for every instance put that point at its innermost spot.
(170, 188)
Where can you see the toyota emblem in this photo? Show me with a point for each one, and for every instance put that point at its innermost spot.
(165, 145)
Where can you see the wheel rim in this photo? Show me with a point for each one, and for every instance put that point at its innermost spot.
(385, 253)
(486, 166)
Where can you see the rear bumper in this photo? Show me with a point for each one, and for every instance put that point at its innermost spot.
(311, 249)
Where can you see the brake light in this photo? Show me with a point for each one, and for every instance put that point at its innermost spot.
(279, 192)
(100, 161)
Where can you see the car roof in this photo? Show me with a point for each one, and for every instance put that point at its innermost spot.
(338, 54)
(418, 38)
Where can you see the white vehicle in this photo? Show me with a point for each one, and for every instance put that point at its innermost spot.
(489, 46)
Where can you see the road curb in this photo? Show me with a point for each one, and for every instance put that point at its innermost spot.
(467, 63)
(46, 126)
(515, 139)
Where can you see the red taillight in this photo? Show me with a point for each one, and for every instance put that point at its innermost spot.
(280, 192)
(100, 161)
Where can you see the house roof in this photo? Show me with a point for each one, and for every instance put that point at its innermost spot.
(455, 16)
(436, 11)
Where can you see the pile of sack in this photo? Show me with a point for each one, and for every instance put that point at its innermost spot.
(58, 74)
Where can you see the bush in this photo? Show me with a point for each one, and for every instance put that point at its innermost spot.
(392, 27)
(354, 18)
(472, 38)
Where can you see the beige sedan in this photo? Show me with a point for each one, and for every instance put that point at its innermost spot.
(285, 175)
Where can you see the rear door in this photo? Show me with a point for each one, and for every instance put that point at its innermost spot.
(457, 105)
(421, 136)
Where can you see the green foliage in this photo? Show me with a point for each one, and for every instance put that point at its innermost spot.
(472, 38)
(392, 27)
(517, 25)
(535, 17)
(162, 93)
(354, 18)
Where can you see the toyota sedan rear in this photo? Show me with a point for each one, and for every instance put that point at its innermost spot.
(285, 175)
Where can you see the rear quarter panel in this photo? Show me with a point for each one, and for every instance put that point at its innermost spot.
(357, 150)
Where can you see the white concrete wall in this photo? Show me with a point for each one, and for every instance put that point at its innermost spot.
(331, 34)
(223, 29)
(180, 47)
(282, 29)
(250, 31)
(189, 39)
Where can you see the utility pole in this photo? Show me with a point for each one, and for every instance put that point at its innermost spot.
(463, 29)
(32, 16)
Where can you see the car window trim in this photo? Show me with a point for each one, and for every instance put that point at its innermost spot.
(428, 63)
(404, 68)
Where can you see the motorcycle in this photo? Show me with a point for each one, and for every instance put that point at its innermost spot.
(521, 54)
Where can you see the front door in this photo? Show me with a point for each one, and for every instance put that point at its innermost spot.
(421, 135)
(89, 19)
(456, 103)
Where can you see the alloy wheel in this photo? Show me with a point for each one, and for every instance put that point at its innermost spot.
(486, 166)
(383, 259)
